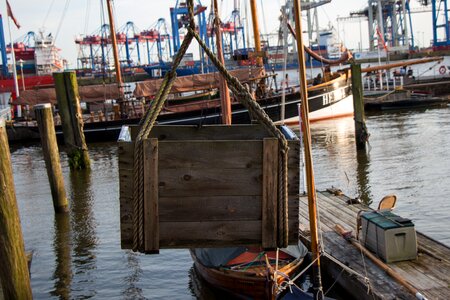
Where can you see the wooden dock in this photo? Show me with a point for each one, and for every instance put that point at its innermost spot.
(429, 273)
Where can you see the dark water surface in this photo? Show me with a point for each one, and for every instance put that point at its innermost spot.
(78, 256)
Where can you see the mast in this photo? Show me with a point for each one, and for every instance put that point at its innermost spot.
(116, 55)
(259, 61)
(223, 86)
(312, 197)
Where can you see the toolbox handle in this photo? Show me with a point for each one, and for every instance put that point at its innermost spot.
(400, 233)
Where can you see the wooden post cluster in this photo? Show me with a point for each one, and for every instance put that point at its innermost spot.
(46, 126)
(14, 276)
(361, 134)
(71, 118)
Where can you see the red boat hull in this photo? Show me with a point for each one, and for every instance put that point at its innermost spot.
(7, 84)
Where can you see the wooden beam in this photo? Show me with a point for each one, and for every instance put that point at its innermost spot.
(50, 150)
(151, 213)
(14, 275)
(270, 193)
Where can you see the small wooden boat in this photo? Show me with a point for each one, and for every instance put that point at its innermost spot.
(250, 272)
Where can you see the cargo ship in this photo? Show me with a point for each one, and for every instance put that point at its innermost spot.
(35, 63)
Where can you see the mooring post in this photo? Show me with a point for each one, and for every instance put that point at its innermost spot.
(361, 134)
(14, 276)
(71, 118)
(47, 132)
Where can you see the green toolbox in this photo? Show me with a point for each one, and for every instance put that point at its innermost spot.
(390, 236)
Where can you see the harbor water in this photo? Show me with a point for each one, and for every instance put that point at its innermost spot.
(78, 256)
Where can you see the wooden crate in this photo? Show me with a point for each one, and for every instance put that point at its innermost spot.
(210, 186)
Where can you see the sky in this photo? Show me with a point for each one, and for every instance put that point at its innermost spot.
(67, 19)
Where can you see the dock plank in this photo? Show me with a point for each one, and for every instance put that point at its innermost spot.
(429, 273)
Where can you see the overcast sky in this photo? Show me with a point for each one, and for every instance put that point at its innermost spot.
(83, 16)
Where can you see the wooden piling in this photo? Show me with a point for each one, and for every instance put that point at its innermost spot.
(14, 276)
(46, 126)
(71, 118)
(361, 133)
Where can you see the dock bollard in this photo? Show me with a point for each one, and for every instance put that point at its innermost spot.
(14, 275)
(47, 132)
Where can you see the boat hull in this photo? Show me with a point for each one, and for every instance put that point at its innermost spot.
(330, 100)
(243, 285)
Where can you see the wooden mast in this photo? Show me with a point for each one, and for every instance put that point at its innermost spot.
(223, 86)
(259, 61)
(312, 197)
(116, 56)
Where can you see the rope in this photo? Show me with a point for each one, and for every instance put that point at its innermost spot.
(146, 125)
(246, 99)
(291, 282)
(349, 270)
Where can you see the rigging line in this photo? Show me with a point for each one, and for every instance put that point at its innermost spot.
(264, 17)
(50, 53)
(334, 283)
(48, 13)
(66, 7)
(87, 13)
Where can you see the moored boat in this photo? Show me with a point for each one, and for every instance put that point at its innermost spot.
(248, 272)
(330, 99)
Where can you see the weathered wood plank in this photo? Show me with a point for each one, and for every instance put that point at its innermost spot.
(151, 213)
(208, 175)
(126, 194)
(212, 181)
(213, 208)
(215, 132)
(417, 278)
(428, 272)
(270, 193)
(209, 234)
(195, 154)
(293, 223)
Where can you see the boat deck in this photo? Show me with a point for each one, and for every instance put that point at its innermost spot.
(429, 273)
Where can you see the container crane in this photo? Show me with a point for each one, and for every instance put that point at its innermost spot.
(441, 26)
(388, 20)
(233, 34)
(97, 46)
(157, 35)
(179, 18)
(4, 68)
(234, 30)
(129, 34)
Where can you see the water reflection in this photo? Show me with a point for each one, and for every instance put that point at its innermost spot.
(62, 275)
(362, 176)
(200, 289)
(83, 233)
(79, 256)
(132, 290)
